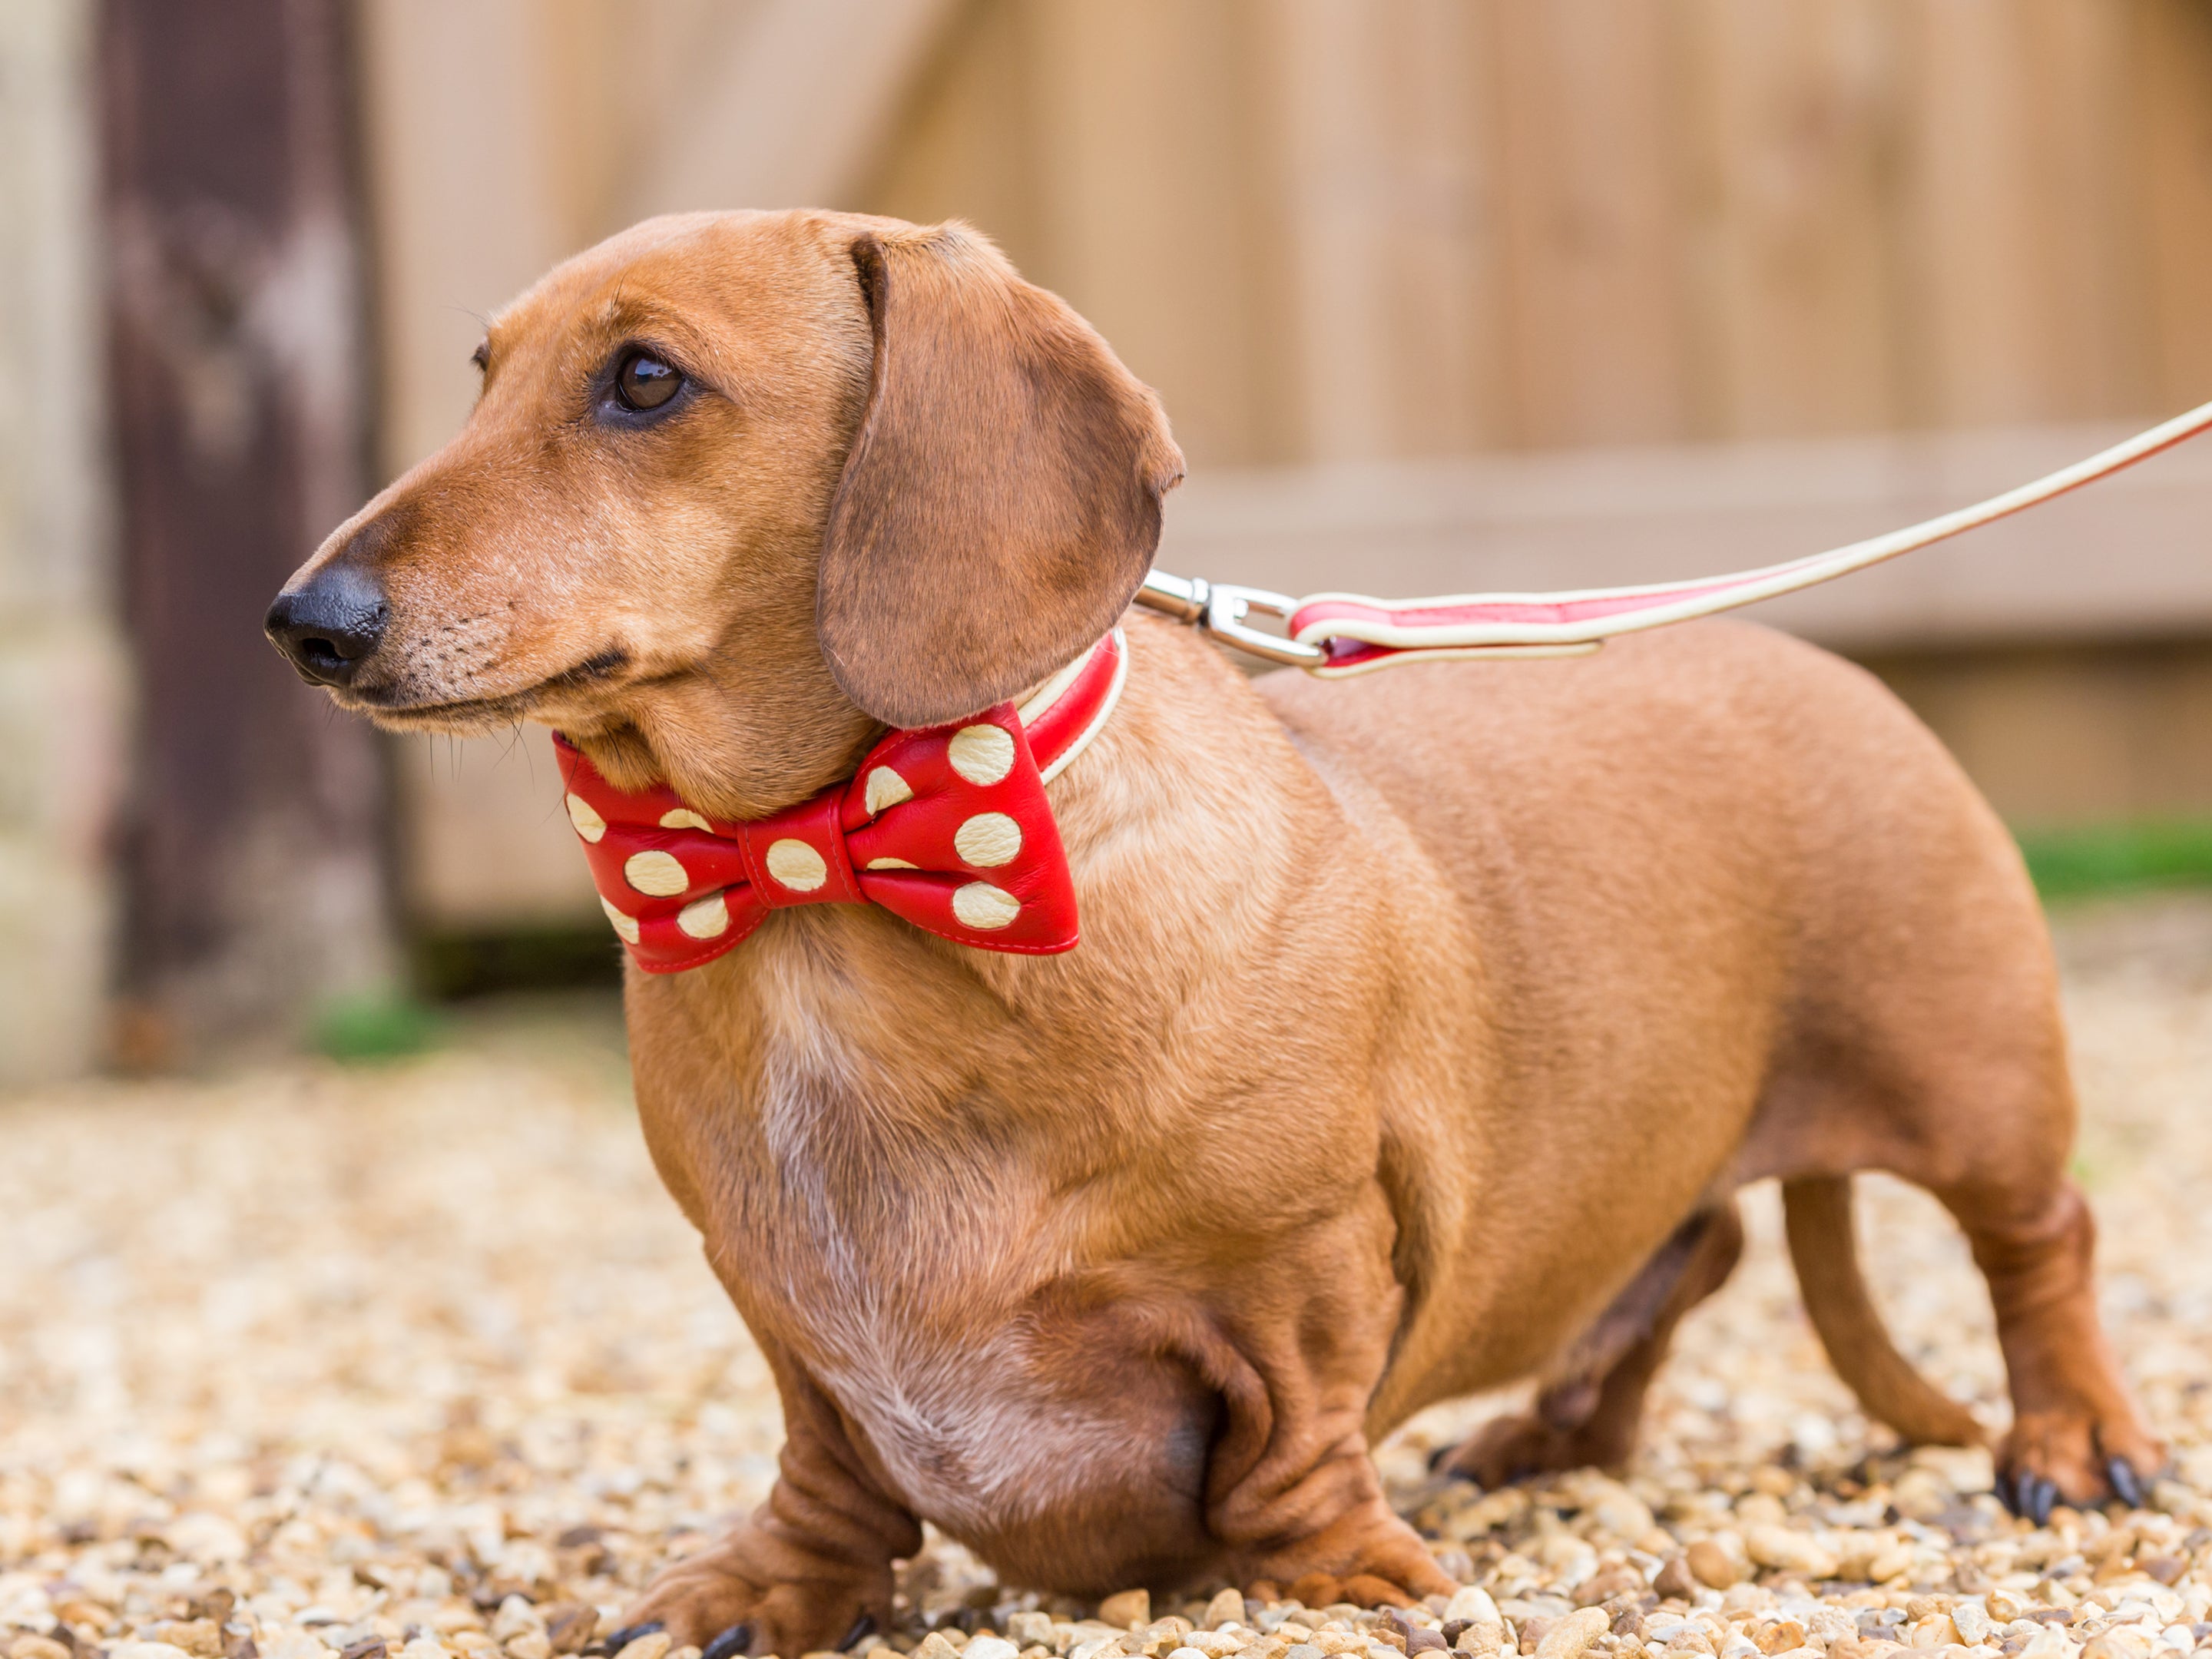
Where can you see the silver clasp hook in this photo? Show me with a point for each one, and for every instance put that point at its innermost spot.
(1220, 608)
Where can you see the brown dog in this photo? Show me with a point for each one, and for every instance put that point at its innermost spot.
(1422, 1027)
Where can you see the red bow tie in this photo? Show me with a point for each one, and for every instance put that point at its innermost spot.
(947, 827)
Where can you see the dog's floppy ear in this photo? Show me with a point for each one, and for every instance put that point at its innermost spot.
(1001, 502)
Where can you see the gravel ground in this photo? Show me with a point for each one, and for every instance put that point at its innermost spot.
(419, 1360)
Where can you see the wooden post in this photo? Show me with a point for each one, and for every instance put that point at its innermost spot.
(254, 875)
(60, 677)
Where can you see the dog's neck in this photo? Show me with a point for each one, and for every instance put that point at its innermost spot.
(700, 736)
(681, 888)
(1184, 823)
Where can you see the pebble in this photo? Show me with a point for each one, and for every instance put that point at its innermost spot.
(515, 1616)
(1471, 1604)
(1129, 1609)
(1567, 1638)
(1710, 1565)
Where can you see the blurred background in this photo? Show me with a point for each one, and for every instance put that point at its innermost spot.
(1440, 294)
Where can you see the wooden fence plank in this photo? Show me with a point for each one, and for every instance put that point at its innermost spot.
(1157, 225)
(1589, 157)
(966, 146)
(1792, 106)
(2019, 266)
(1395, 301)
(2172, 74)
(451, 245)
(791, 111)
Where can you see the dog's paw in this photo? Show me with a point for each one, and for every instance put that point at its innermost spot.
(1507, 1449)
(711, 1601)
(2050, 1458)
(1369, 1560)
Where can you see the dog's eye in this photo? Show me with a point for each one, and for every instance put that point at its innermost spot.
(645, 382)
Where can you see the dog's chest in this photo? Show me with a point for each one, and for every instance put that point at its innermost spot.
(899, 1266)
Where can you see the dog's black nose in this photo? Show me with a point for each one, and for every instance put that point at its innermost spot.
(328, 625)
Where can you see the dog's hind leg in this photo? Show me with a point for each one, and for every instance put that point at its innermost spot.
(1589, 1409)
(1956, 1080)
(2075, 1435)
(1982, 1116)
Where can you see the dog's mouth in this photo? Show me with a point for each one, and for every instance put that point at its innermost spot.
(398, 705)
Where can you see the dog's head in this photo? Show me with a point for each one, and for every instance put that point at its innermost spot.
(740, 488)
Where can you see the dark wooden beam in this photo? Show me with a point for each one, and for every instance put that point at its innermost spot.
(255, 875)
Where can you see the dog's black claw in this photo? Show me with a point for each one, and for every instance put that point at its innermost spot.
(731, 1642)
(2127, 1485)
(618, 1640)
(2027, 1494)
(1437, 1457)
(863, 1627)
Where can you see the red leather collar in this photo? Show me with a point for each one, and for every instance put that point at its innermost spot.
(947, 827)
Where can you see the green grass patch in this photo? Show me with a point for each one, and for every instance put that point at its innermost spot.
(2118, 858)
(361, 1029)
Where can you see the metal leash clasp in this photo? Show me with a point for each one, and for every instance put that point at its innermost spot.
(1219, 610)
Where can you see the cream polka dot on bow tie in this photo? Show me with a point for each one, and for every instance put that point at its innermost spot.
(626, 927)
(981, 754)
(983, 907)
(890, 864)
(705, 918)
(796, 866)
(987, 840)
(656, 873)
(885, 788)
(685, 818)
(581, 813)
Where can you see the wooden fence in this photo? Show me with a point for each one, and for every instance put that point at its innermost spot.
(1331, 228)
(1424, 234)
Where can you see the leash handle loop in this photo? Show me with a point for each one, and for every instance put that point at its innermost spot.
(1335, 634)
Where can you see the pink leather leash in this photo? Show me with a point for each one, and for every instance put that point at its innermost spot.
(1334, 635)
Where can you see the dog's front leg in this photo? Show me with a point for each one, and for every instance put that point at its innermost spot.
(799, 1574)
(1311, 1522)
(1291, 1490)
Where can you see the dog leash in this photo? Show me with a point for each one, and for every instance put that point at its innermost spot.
(1332, 635)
